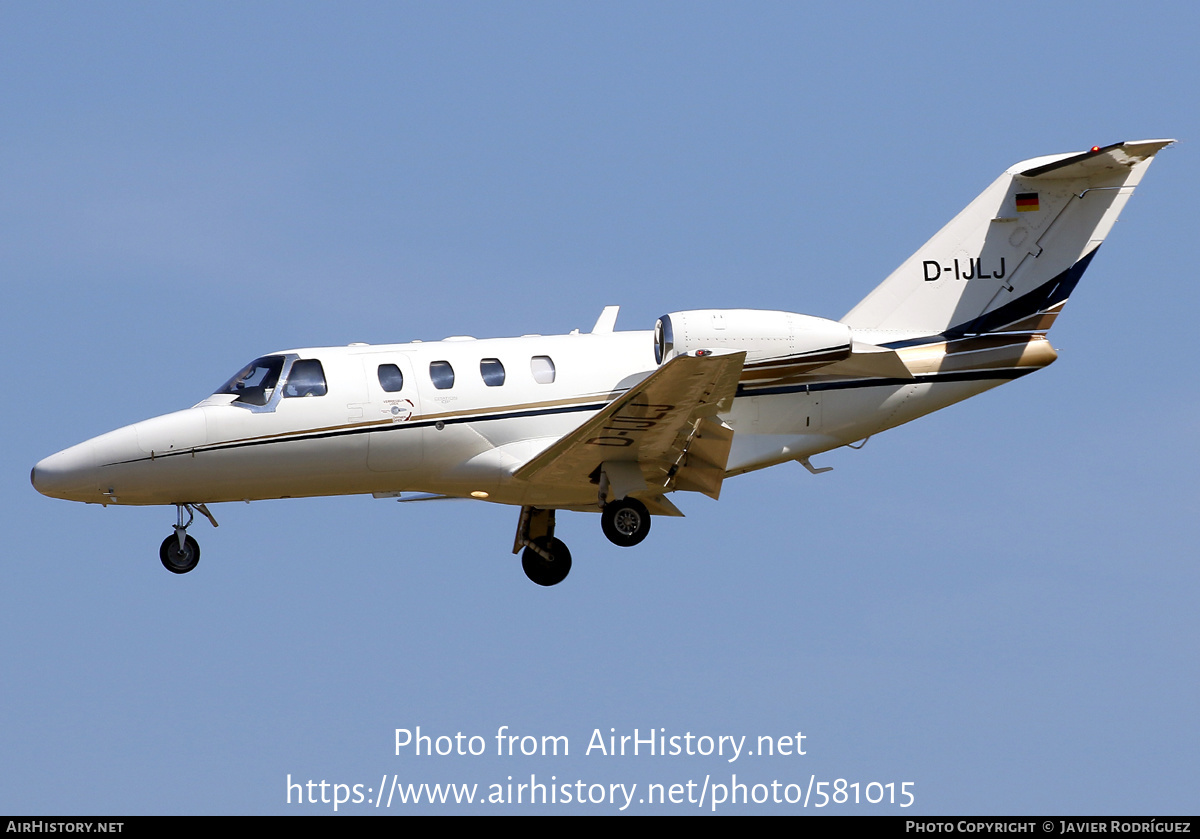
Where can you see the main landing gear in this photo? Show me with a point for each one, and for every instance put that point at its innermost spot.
(625, 522)
(547, 561)
(180, 553)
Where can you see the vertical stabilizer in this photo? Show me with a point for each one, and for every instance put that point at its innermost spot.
(1008, 262)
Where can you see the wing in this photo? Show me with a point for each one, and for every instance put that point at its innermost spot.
(660, 435)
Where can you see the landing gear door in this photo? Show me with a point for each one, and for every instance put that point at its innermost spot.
(393, 406)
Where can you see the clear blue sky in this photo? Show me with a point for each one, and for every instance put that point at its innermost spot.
(997, 603)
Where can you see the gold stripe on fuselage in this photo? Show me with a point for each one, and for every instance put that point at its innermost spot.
(478, 413)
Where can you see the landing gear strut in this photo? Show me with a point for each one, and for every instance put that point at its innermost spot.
(545, 560)
(179, 552)
(625, 522)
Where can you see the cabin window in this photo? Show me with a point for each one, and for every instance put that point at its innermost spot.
(390, 378)
(492, 371)
(254, 383)
(442, 374)
(543, 369)
(307, 378)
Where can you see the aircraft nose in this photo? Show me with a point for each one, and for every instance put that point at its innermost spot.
(70, 474)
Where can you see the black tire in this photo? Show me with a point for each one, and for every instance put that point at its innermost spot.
(625, 522)
(175, 560)
(543, 572)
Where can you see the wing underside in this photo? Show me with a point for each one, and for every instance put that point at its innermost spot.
(659, 436)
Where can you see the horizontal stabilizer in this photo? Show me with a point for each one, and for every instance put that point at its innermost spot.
(1099, 160)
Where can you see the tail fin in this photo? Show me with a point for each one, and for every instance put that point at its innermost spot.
(1008, 262)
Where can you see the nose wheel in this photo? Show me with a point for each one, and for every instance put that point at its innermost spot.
(179, 552)
(179, 559)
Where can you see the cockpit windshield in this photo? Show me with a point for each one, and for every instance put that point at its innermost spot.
(255, 383)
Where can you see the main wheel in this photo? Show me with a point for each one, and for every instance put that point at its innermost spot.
(179, 561)
(625, 522)
(547, 572)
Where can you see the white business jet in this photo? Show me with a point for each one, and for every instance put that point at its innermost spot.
(613, 422)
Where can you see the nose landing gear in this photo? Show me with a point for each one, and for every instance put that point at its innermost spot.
(179, 552)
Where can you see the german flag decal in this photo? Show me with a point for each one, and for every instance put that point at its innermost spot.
(1027, 202)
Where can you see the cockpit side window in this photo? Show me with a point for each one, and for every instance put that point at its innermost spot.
(254, 384)
(306, 378)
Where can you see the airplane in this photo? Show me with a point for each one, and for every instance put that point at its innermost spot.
(614, 422)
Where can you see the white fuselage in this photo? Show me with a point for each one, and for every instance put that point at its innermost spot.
(466, 439)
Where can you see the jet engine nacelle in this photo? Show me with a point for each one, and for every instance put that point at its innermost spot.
(763, 335)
